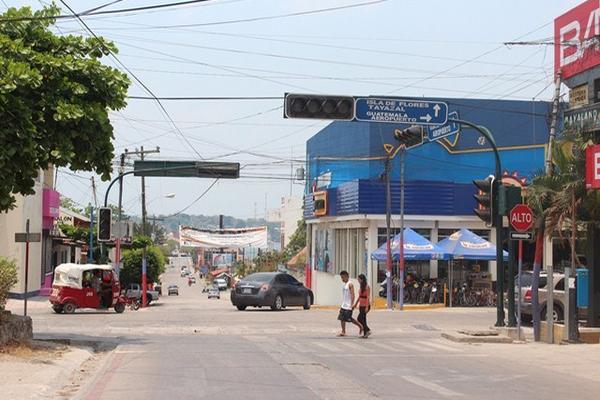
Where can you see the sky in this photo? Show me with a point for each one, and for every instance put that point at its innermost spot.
(265, 48)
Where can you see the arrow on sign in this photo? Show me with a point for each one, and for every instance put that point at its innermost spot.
(426, 117)
(437, 109)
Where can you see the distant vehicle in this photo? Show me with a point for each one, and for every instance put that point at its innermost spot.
(221, 283)
(271, 289)
(214, 292)
(134, 291)
(173, 290)
(192, 279)
(184, 273)
(158, 288)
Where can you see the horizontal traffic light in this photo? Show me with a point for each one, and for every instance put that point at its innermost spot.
(410, 137)
(319, 107)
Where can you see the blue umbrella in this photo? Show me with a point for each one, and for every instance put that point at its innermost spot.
(416, 247)
(465, 245)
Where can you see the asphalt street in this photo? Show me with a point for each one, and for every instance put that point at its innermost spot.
(190, 347)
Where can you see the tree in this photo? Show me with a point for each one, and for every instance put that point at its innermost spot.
(132, 265)
(8, 278)
(297, 241)
(267, 261)
(55, 95)
(69, 204)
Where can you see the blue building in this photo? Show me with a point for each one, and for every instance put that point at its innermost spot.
(345, 163)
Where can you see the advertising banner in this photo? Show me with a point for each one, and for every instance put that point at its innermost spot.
(223, 238)
(592, 167)
(222, 259)
(576, 42)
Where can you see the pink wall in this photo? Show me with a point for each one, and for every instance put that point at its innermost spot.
(50, 207)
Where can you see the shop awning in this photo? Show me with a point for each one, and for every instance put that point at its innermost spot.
(416, 247)
(465, 245)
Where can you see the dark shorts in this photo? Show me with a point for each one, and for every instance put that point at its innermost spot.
(345, 315)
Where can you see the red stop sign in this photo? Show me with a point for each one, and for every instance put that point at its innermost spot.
(521, 218)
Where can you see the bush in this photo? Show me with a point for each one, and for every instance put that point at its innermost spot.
(132, 265)
(8, 278)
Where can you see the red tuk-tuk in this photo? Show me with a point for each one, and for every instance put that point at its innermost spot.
(85, 286)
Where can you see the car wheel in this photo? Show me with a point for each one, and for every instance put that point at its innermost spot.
(277, 303)
(557, 313)
(241, 308)
(307, 302)
(57, 308)
(119, 308)
(69, 307)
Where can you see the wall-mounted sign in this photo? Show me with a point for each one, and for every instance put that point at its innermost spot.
(592, 167)
(578, 96)
(576, 39)
(583, 118)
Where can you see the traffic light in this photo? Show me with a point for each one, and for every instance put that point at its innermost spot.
(318, 107)
(104, 224)
(486, 199)
(410, 137)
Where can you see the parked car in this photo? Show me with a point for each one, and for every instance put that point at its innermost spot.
(173, 290)
(271, 289)
(214, 292)
(221, 283)
(134, 291)
(559, 295)
(184, 273)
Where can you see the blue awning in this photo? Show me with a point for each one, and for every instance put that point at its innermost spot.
(465, 245)
(416, 247)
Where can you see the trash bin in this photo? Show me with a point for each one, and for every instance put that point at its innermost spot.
(583, 288)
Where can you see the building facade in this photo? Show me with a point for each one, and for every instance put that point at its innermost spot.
(344, 203)
(288, 214)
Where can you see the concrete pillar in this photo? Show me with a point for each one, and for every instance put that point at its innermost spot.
(371, 247)
(547, 258)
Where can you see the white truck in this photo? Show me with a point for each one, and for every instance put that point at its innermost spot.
(134, 291)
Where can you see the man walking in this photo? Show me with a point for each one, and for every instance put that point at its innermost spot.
(347, 304)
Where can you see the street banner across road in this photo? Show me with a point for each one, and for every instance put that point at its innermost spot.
(223, 238)
(401, 111)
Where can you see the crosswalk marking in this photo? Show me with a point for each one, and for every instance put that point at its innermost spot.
(413, 346)
(440, 346)
(298, 347)
(327, 346)
(353, 346)
(385, 347)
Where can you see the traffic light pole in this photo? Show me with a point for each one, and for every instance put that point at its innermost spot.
(497, 218)
(388, 220)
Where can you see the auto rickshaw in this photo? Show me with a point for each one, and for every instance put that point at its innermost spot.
(86, 286)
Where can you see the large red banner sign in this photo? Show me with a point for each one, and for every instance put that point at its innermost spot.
(577, 40)
(592, 167)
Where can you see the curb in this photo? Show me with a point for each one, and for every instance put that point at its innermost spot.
(379, 306)
(462, 338)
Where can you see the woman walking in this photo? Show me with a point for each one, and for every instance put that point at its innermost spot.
(364, 304)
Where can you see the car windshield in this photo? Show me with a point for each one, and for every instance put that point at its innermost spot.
(259, 277)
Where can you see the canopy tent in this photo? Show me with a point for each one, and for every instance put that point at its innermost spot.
(465, 245)
(416, 247)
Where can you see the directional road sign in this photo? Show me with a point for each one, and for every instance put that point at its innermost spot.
(401, 111)
(22, 237)
(449, 129)
(521, 218)
(521, 236)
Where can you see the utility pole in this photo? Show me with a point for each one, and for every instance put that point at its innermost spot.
(291, 170)
(120, 214)
(388, 221)
(401, 263)
(141, 152)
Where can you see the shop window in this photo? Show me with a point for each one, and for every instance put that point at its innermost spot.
(350, 251)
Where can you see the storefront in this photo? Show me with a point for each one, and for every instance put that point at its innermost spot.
(344, 203)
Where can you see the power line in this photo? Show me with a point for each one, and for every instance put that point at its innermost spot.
(146, 88)
(213, 98)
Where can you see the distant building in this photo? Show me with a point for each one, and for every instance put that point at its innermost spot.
(288, 214)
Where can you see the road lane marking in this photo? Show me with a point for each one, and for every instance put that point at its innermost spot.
(327, 346)
(385, 347)
(434, 387)
(440, 346)
(413, 346)
(353, 346)
(297, 347)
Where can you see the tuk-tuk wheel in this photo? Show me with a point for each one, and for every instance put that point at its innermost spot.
(57, 308)
(69, 308)
(119, 308)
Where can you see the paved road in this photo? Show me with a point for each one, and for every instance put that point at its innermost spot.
(189, 347)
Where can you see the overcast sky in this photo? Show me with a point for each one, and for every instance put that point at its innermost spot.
(228, 48)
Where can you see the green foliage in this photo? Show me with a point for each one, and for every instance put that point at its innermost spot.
(243, 268)
(169, 246)
(140, 241)
(75, 232)
(55, 96)
(132, 265)
(69, 204)
(267, 261)
(8, 278)
(297, 241)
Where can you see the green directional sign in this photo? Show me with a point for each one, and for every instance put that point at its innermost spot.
(187, 169)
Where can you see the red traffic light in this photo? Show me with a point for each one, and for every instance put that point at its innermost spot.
(318, 107)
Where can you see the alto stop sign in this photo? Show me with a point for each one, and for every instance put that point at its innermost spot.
(521, 218)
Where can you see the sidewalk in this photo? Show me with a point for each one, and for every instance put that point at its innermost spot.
(37, 302)
(44, 370)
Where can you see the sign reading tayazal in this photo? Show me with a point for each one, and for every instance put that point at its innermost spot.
(583, 118)
(401, 111)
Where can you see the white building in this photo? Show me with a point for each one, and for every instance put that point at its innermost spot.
(288, 214)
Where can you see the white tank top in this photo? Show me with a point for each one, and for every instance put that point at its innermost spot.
(346, 299)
